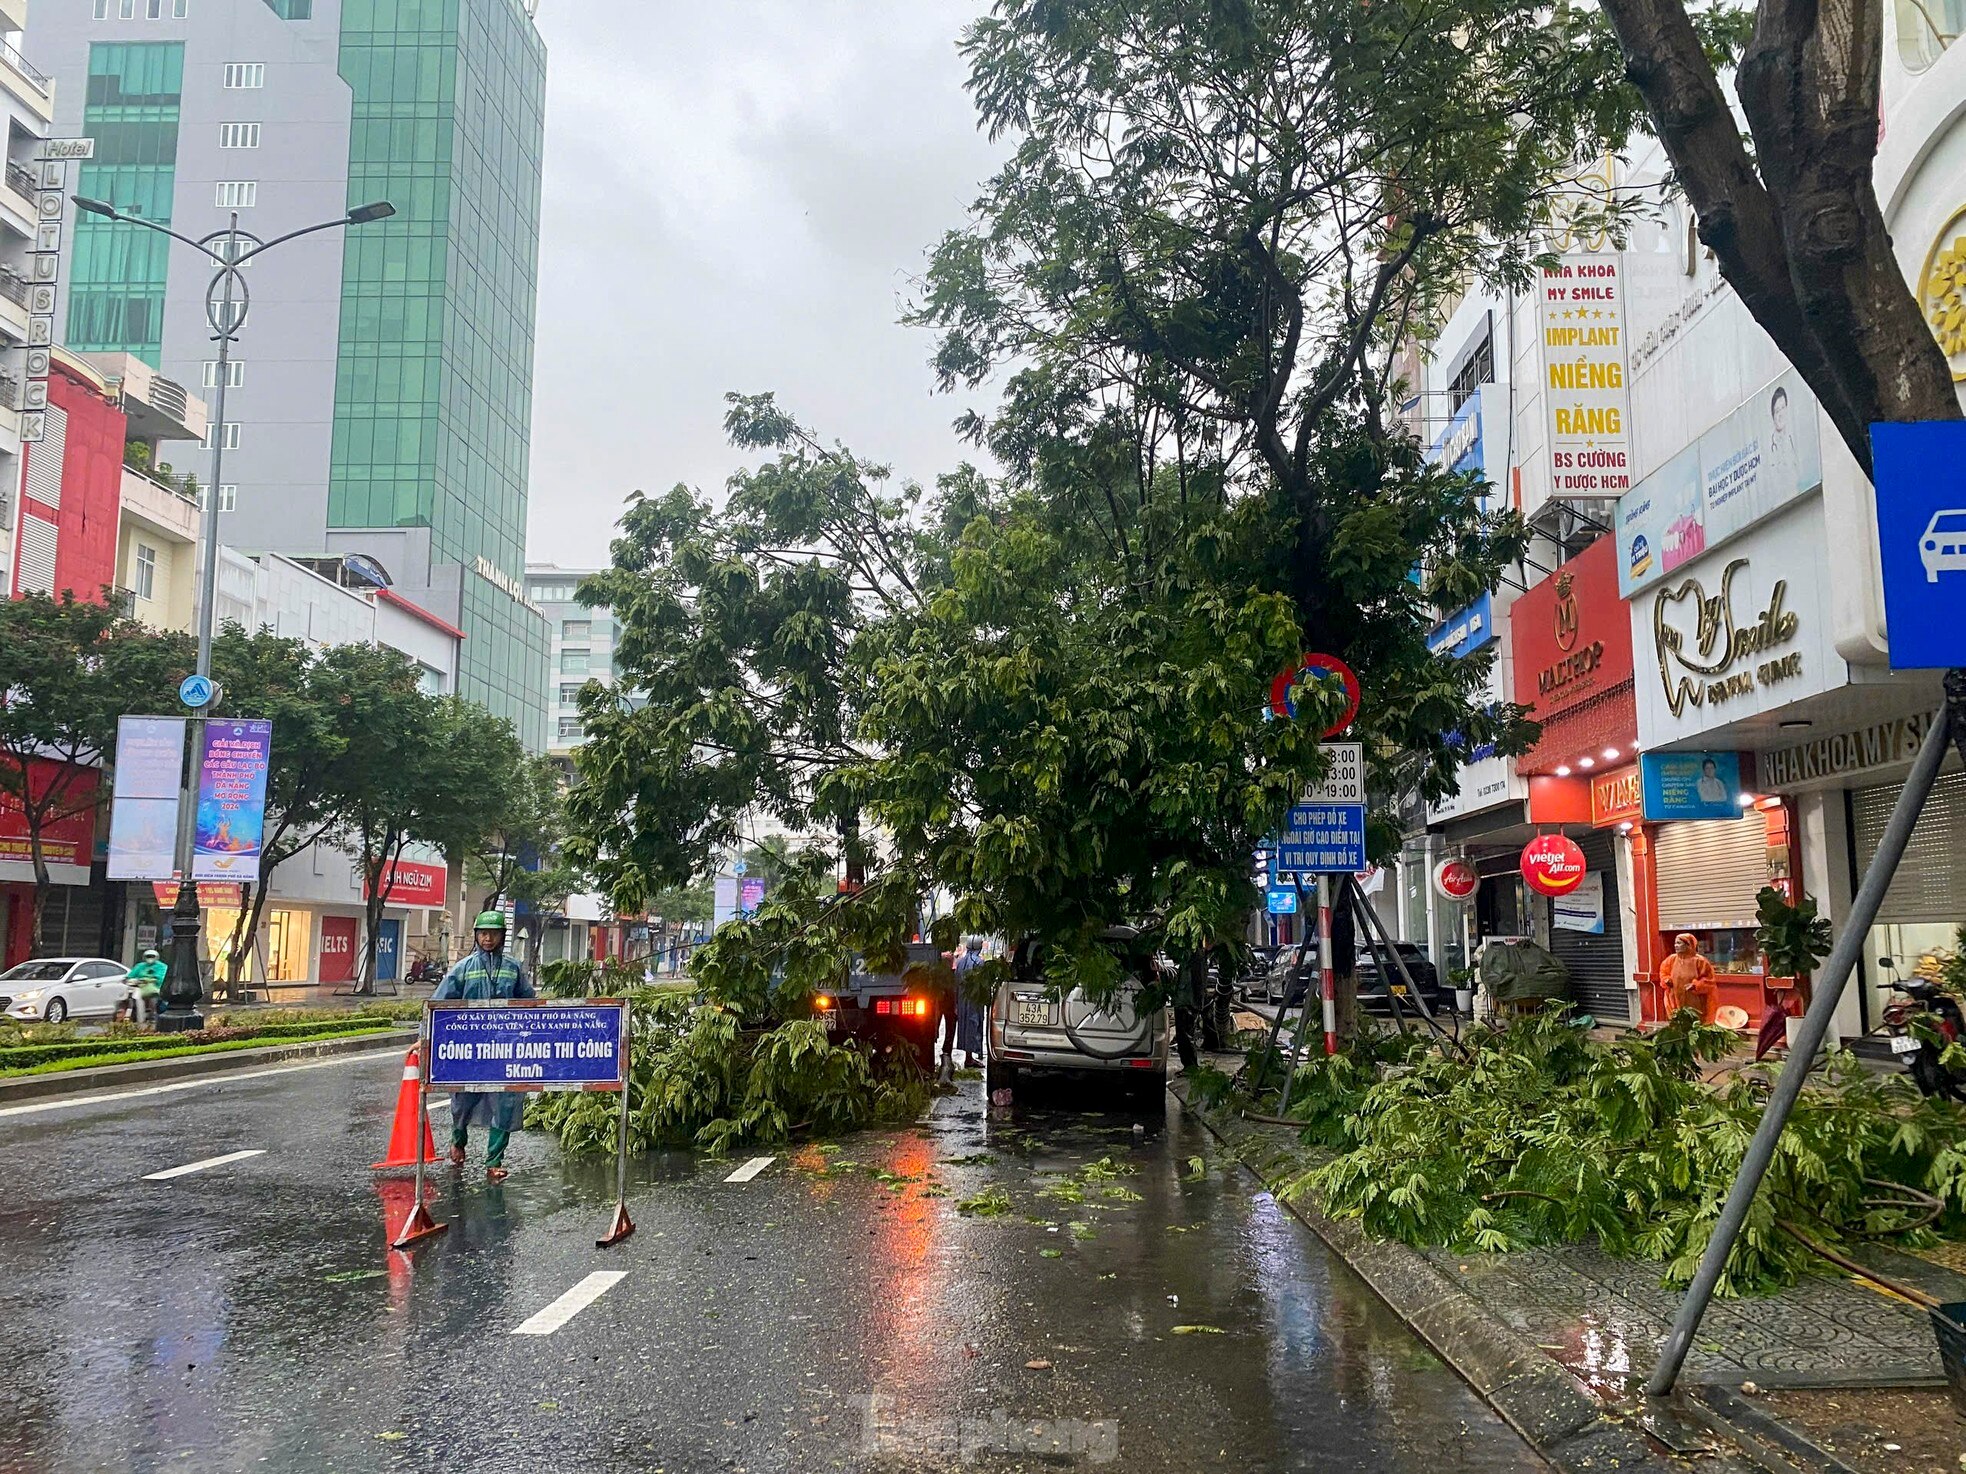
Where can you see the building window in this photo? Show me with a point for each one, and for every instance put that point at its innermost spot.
(231, 435)
(569, 693)
(153, 9)
(180, 9)
(127, 10)
(575, 662)
(1476, 369)
(238, 135)
(228, 497)
(235, 373)
(576, 629)
(145, 576)
(241, 74)
(570, 727)
(237, 194)
(102, 9)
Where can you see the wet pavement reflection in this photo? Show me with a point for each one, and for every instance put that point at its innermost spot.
(1054, 1286)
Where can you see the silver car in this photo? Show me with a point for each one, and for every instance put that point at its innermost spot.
(58, 988)
(1032, 1030)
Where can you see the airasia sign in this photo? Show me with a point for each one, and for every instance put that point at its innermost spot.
(1553, 865)
(1456, 879)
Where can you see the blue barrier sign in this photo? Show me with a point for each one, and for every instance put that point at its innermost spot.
(1920, 474)
(528, 1044)
(1323, 839)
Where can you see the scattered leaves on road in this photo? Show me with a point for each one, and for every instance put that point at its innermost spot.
(1197, 1331)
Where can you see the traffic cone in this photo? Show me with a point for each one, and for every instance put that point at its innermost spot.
(409, 1114)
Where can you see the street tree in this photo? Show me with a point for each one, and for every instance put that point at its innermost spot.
(520, 857)
(1789, 208)
(72, 669)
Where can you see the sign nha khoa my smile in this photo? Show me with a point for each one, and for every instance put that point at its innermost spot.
(1580, 315)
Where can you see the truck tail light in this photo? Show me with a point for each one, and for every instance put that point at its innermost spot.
(822, 1002)
(902, 1007)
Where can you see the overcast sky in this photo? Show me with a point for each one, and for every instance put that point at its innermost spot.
(738, 196)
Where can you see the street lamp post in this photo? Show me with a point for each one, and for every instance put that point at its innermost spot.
(227, 300)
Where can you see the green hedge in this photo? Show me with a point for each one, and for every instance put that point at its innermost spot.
(28, 1056)
(166, 1046)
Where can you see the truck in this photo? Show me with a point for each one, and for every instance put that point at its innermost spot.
(888, 1010)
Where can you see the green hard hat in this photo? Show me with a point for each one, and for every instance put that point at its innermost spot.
(489, 921)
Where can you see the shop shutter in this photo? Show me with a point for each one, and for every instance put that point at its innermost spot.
(1710, 871)
(1931, 881)
(1597, 961)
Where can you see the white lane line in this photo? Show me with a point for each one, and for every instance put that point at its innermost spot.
(564, 1309)
(750, 1169)
(190, 1167)
(440, 1105)
(221, 1077)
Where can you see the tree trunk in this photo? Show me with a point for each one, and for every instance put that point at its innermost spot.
(1803, 240)
(43, 882)
(1344, 961)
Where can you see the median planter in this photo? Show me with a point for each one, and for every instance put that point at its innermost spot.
(31, 1059)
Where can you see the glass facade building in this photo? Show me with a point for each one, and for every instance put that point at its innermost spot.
(433, 392)
(117, 273)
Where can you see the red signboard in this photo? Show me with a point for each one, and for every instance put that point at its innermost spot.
(1617, 797)
(413, 883)
(338, 949)
(1456, 879)
(1553, 864)
(1572, 634)
(70, 840)
(221, 895)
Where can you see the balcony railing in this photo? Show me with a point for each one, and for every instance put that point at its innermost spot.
(9, 391)
(20, 177)
(27, 69)
(13, 287)
(122, 601)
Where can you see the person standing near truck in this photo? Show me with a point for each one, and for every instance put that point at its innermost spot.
(487, 975)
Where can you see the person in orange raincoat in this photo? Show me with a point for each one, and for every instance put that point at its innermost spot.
(1687, 977)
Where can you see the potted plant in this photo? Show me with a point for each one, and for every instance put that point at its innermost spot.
(1792, 937)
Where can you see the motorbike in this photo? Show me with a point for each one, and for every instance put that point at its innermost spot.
(1922, 1024)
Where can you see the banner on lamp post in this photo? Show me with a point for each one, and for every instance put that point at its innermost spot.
(143, 804)
(231, 817)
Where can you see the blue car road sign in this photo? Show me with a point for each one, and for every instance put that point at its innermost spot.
(197, 692)
(525, 1044)
(1323, 839)
(1919, 470)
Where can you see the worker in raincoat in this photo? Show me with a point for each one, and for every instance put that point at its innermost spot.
(486, 975)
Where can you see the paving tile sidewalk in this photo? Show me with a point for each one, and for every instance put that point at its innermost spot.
(1596, 1323)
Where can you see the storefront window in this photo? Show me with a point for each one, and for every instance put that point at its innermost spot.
(282, 945)
(1926, 28)
(1731, 951)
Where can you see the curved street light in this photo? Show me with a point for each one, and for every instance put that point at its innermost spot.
(227, 300)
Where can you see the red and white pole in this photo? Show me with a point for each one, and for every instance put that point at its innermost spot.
(1326, 972)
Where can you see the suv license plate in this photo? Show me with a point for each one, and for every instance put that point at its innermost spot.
(1029, 1013)
(831, 1019)
(1905, 1044)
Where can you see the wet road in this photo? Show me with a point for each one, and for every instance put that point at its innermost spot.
(1052, 1289)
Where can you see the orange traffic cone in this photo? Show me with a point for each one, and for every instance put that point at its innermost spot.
(409, 1115)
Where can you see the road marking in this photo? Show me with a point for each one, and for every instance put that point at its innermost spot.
(750, 1169)
(439, 1105)
(218, 1078)
(190, 1167)
(564, 1309)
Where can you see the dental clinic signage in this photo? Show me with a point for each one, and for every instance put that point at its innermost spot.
(1736, 633)
(1580, 313)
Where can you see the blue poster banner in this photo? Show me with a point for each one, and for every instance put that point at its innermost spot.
(1690, 785)
(1282, 900)
(1323, 839)
(231, 801)
(527, 1044)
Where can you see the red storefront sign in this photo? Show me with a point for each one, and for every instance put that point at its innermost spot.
(69, 840)
(338, 949)
(1571, 638)
(1617, 797)
(220, 895)
(413, 883)
(1456, 879)
(1553, 864)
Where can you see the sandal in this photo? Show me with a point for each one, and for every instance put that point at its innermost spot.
(456, 1156)
(496, 1174)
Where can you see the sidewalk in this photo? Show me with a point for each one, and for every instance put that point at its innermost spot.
(1595, 1325)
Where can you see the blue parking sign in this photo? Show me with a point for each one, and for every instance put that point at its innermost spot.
(1919, 470)
(1323, 839)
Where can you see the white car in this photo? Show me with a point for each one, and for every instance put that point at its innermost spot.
(57, 988)
(1943, 547)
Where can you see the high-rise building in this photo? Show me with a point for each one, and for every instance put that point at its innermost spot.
(379, 397)
(27, 99)
(582, 649)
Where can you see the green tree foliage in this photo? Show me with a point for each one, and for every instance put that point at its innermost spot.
(1543, 1134)
(520, 856)
(72, 669)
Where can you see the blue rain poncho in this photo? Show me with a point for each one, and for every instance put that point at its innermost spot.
(485, 977)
